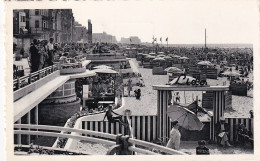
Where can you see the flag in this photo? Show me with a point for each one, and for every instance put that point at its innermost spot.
(155, 39)
(167, 39)
(130, 40)
(161, 39)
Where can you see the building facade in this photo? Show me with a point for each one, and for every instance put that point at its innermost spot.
(80, 33)
(43, 24)
(130, 40)
(103, 37)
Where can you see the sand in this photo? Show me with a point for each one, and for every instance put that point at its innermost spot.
(241, 105)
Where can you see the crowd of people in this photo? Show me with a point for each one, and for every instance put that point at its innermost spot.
(41, 54)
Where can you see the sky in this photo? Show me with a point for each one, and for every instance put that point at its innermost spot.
(183, 22)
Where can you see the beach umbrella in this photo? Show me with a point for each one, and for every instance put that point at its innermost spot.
(159, 59)
(176, 56)
(181, 80)
(150, 56)
(160, 55)
(207, 63)
(167, 57)
(102, 67)
(212, 53)
(184, 58)
(187, 119)
(171, 55)
(145, 55)
(105, 71)
(231, 74)
(173, 70)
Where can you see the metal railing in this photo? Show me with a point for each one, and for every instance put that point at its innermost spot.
(119, 143)
(33, 77)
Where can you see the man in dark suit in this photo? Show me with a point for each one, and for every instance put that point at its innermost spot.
(35, 57)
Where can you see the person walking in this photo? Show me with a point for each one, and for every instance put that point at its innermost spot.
(129, 86)
(42, 56)
(34, 52)
(50, 48)
(137, 94)
(175, 137)
(177, 97)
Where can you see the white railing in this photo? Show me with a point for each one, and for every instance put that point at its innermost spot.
(32, 77)
(93, 136)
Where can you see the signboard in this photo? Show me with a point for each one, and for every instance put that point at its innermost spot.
(194, 82)
(85, 91)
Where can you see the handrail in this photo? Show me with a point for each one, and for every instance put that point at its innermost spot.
(66, 129)
(51, 148)
(30, 78)
(142, 151)
(53, 134)
(157, 147)
(133, 141)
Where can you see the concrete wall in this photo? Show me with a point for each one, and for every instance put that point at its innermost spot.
(57, 114)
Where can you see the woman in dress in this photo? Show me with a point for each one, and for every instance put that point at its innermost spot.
(175, 137)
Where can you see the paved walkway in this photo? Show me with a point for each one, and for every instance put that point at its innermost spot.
(148, 103)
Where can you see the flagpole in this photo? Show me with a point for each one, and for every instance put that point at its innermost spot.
(153, 43)
(205, 38)
(167, 44)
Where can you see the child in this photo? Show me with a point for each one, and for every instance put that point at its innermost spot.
(202, 149)
(137, 94)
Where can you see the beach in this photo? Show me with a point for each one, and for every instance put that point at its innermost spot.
(241, 105)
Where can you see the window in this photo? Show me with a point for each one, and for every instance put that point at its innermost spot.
(44, 24)
(37, 12)
(37, 24)
(22, 18)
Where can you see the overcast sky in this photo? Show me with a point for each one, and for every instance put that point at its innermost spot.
(183, 22)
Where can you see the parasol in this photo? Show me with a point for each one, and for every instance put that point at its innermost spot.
(105, 71)
(206, 63)
(184, 58)
(176, 56)
(231, 74)
(160, 55)
(173, 70)
(159, 59)
(102, 67)
(187, 119)
(153, 54)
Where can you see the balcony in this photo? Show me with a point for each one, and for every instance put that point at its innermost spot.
(32, 31)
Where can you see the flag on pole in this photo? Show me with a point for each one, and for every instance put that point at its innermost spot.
(161, 39)
(167, 39)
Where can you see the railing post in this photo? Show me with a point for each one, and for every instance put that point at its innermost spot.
(122, 146)
(39, 75)
(30, 78)
(18, 83)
